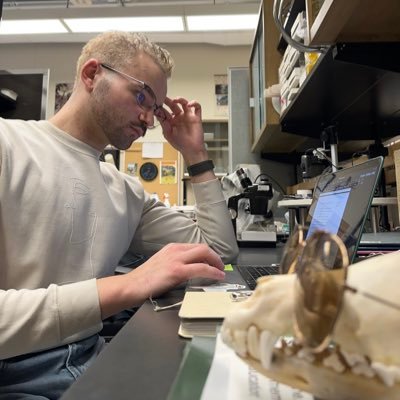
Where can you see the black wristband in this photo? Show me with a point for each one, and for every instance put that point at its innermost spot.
(199, 168)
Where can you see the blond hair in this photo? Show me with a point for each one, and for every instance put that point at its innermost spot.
(118, 48)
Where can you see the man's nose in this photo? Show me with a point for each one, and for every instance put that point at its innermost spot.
(147, 116)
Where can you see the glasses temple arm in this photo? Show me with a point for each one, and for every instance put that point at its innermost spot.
(373, 297)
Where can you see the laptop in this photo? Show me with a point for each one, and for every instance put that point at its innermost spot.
(342, 200)
(340, 205)
(379, 242)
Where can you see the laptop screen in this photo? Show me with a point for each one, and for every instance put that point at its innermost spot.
(341, 202)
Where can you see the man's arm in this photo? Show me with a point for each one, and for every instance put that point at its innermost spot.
(172, 265)
(34, 320)
(183, 129)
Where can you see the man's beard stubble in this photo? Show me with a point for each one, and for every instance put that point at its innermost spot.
(107, 117)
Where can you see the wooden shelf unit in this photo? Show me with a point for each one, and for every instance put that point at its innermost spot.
(353, 87)
(354, 21)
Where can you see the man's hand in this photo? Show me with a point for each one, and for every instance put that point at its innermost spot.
(183, 129)
(172, 265)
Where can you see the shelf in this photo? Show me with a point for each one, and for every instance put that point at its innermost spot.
(296, 7)
(217, 149)
(353, 89)
(273, 140)
(264, 63)
(361, 102)
(215, 120)
(217, 142)
(355, 21)
(219, 175)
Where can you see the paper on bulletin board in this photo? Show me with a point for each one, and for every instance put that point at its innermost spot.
(152, 150)
(132, 169)
(168, 172)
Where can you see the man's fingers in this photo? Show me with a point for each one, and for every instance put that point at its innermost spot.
(205, 271)
(196, 106)
(203, 254)
(179, 104)
(190, 253)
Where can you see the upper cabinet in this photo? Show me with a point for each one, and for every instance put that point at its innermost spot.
(332, 21)
(217, 143)
(264, 63)
(347, 92)
(353, 88)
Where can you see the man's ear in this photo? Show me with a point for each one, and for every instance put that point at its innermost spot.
(88, 72)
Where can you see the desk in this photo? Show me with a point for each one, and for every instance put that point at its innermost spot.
(143, 358)
(303, 204)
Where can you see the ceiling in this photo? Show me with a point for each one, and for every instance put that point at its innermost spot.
(46, 9)
(118, 3)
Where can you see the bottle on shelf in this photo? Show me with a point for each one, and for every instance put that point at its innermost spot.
(166, 200)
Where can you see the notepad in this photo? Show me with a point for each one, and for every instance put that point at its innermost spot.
(202, 312)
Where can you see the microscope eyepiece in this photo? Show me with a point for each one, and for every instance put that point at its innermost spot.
(243, 178)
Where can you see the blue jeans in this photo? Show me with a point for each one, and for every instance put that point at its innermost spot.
(46, 375)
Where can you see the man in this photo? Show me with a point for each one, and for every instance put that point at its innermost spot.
(66, 219)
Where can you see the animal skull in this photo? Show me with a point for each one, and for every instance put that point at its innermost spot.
(367, 332)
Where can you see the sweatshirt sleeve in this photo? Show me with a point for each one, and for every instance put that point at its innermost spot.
(160, 225)
(34, 320)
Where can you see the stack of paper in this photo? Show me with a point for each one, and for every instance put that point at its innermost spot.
(202, 312)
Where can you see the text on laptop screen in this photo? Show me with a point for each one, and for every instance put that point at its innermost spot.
(341, 202)
(329, 211)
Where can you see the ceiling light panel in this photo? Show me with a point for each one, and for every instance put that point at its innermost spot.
(88, 3)
(222, 22)
(33, 26)
(137, 24)
(167, 2)
(59, 3)
(35, 3)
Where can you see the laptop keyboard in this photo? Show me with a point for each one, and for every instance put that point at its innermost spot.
(251, 273)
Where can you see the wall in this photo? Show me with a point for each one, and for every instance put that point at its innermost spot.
(279, 174)
(158, 185)
(193, 77)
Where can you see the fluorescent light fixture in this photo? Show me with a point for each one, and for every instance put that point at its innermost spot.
(134, 24)
(222, 22)
(31, 26)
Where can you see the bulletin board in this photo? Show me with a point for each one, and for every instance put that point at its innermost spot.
(168, 178)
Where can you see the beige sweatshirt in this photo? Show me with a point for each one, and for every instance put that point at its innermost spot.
(67, 219)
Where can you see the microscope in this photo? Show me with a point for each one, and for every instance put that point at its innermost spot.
(257, 233)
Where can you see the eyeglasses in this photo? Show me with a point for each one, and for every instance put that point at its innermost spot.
(321, 264)
(145, 98)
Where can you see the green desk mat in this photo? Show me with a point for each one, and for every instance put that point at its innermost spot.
(194, 368)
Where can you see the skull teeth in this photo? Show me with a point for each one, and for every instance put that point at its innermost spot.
(267, 342)
(240, 338)
(226, 335)
(260, 346)
(253, 342)
(388, 375)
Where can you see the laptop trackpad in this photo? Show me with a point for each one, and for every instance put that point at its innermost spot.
(199, 281)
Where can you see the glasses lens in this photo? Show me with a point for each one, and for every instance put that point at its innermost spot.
(160, 114)
(159, 117)
(146, 100)
(292, 251)
(319, 292)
